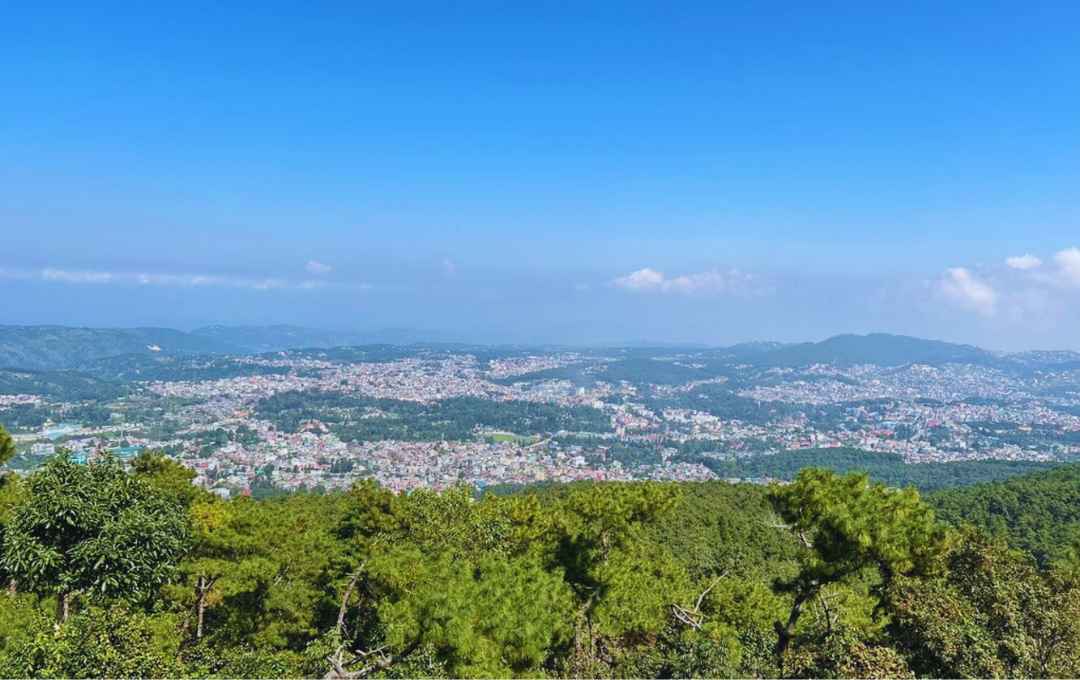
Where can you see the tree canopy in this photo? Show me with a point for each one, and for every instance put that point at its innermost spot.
(93, 531)
(136, 573)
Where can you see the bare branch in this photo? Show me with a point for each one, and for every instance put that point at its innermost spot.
(344, 608)
(691, 619)
(701, 597)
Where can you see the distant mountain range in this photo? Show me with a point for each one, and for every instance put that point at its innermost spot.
(273, 338)
(883, 349)
(62, 347)
(878, 348)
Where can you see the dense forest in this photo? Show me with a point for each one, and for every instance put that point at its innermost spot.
(351, 416)
(120, 572)
(1039, 513)
(889, 468)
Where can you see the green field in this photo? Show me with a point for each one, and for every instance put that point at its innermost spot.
(504, 437)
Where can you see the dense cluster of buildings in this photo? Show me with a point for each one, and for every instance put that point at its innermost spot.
(924, 413)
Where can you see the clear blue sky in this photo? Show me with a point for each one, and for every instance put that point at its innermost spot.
(584, 172)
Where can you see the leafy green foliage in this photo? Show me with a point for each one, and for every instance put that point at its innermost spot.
(716, 529)
(93, 530)
(990, 614)
(852, 528)
(851, 523)
(830, 576)
(167, 476)
(494, 616)
(113, 642)
(1039, 513)
(7, 446)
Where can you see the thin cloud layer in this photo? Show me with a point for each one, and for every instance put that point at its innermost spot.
(1028, 289)
(963, 288)
(1068, 263)
(97, 278)
(649, 280)
(69, 276)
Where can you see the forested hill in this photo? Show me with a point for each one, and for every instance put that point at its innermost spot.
(1039, 512)
(62, 347)
(876, 348)
(883, 349)
(829, 576)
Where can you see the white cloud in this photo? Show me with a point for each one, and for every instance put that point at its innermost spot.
(713, 281)
(642, 279)
(96, 277)
(1028, 291)
(318, 268)
(144, 279)
(1023, 262)
(1068, 263)
(203, 280)
(963, 288)
(68, 276)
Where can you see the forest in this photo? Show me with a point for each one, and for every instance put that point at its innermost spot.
(134, 572)
(456, 419)
(889, 468)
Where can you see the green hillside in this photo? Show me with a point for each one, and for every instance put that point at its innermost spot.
(1039, 513)
(62, 347)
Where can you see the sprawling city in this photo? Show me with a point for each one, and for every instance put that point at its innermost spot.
(423, 416)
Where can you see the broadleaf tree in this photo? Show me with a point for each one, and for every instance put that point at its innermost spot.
(93, 530)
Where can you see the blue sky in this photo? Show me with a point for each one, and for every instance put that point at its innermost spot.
(577, 172)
